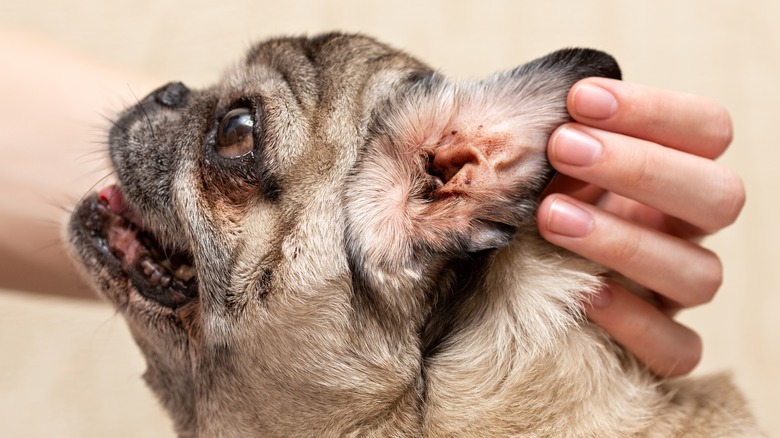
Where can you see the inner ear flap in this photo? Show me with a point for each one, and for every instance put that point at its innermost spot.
(472, 158)
(495, 122)
(455, 166)
(469, 156)
(491, 154)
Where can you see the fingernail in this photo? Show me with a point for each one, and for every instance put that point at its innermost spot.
(569, 220)
(594, 102)
(574, 147)
(600, 299)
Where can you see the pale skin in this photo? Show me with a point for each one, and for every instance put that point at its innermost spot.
(638, 203)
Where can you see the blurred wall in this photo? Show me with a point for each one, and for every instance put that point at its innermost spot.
(68, 368)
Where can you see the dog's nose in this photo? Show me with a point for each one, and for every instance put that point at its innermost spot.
(173, 95)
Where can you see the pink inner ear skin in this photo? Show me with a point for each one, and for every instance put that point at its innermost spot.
(473, 160)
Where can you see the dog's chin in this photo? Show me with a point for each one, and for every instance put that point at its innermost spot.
(121, 256)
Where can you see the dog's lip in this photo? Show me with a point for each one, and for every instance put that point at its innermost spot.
(105, 223)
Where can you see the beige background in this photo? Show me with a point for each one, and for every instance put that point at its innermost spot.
(68, 366)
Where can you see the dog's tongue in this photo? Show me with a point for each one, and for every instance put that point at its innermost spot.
(112, 196)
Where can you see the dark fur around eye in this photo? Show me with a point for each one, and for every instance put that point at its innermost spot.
(234, 159)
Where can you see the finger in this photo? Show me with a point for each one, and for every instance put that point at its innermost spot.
(648, 217)
(681, 121)
(665, 346)
(628, 209)
(694, 189)
(575, 188)
(675, 268)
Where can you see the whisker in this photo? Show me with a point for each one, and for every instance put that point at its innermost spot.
(115, 123)
(145, 114)
(92, 188)
(53, 244)
(93, 156)
(51, 222)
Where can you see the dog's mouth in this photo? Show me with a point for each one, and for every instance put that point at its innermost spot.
(125, 248)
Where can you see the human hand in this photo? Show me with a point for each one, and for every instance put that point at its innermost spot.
(636, 191)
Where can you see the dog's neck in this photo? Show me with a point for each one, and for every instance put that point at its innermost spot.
(520, 337)
(525, 339)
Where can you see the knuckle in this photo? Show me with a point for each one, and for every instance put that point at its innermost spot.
(641, 175)
(734, 196)
(626, 249)
(722, 128)
(708, 282)
(730, 198)
(690, 355)
(657, 109)
(639, 327)
(713, 280)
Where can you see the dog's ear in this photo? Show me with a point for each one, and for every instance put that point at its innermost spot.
(459, 166)
(490, 155)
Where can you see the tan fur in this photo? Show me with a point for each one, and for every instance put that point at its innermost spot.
(372, 267)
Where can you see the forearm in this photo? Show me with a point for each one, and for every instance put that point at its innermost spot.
(51, 134)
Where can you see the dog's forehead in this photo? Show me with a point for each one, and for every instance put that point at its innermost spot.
(274, 65)
(322, 69)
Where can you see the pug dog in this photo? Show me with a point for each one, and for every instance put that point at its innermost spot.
(336, 240)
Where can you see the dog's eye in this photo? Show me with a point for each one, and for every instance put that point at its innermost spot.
(235, 133)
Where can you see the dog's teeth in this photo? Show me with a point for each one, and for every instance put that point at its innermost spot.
(148, 266)
(184, 273)
(166, 264)
(159, 278)
(157, 275)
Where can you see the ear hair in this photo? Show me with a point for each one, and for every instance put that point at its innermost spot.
(457, 166)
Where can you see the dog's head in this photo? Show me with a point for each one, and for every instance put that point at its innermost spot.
(281, 243)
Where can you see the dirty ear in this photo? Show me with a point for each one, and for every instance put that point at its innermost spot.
(491, 155)
(458, 166)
